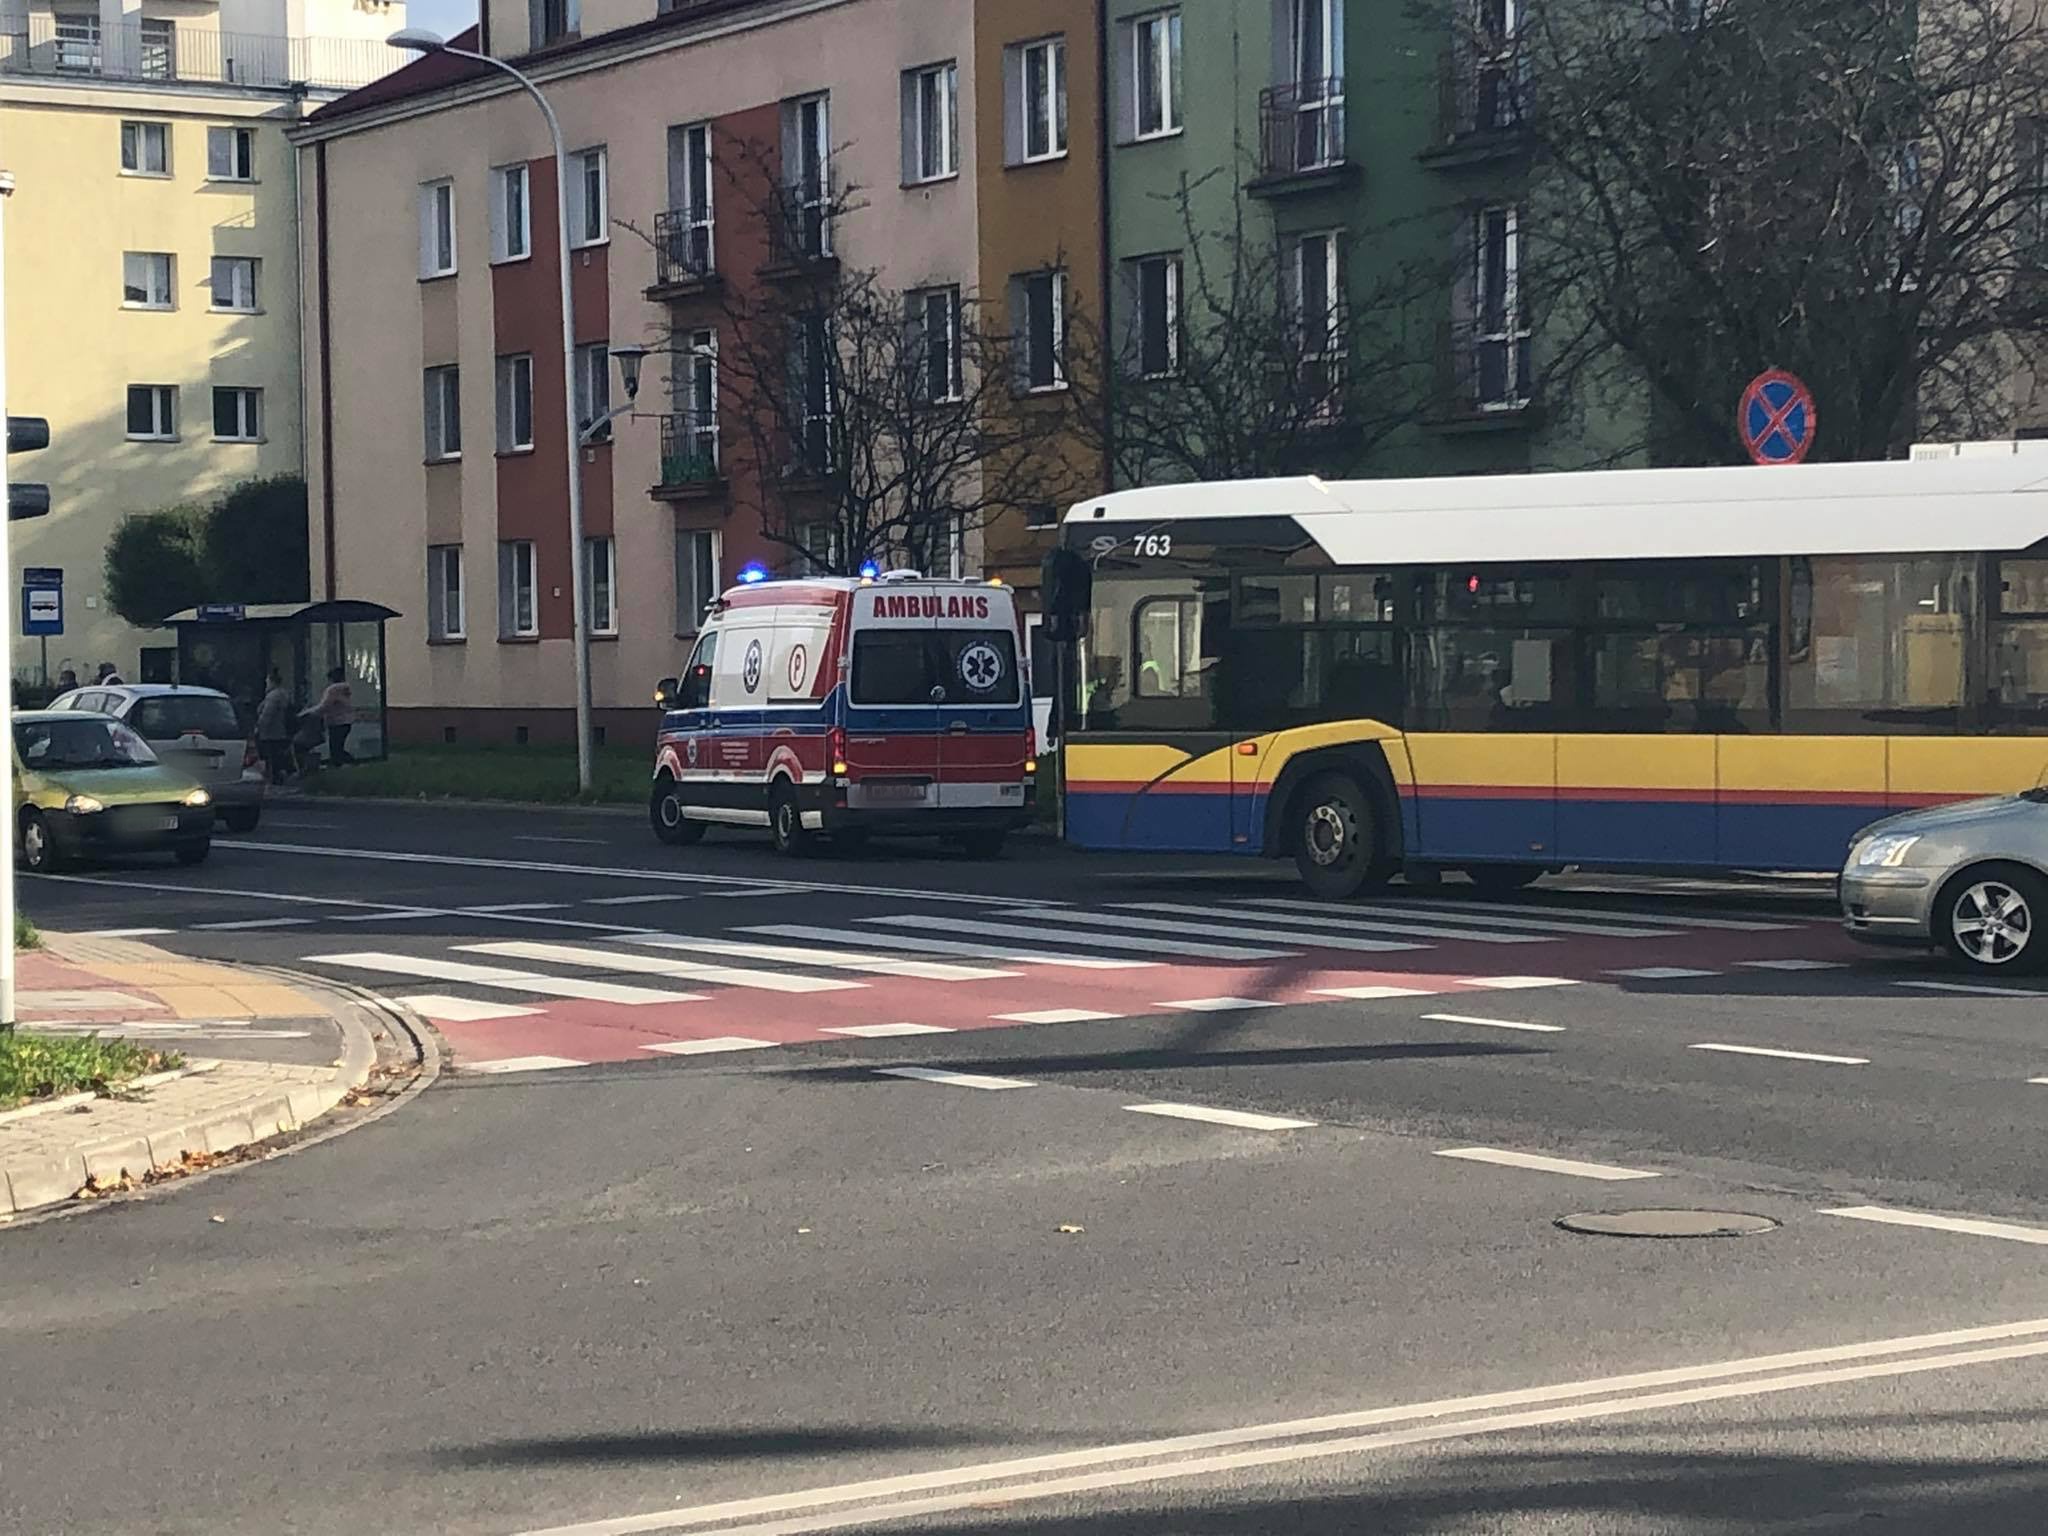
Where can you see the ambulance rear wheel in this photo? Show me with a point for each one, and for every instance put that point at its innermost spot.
(665, 811)
(786, 821)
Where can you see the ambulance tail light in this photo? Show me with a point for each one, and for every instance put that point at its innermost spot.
(835, 746)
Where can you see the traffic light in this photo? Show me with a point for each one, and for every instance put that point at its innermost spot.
(25, 434)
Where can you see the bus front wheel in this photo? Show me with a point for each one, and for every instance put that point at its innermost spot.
(1333, 836)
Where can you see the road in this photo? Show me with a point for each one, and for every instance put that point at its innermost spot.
(755, 1182)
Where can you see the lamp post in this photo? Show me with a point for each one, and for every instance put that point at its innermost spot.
(419, 40)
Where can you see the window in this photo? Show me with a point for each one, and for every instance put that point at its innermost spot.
(437, 229)
(806, 231)
(1316, 275)
(695, 689)
(1315, 60)
(146, 149)
(1880, 644)
(594, 388)
(931, 123)
(1499, 64)
(1501, 362)
(515, 404)
(237, 414)
(696, 577)
(1155, 75)
(152, 412)
(234, 284)
(1154, 283)
(511, 218)
(158, 41)
(78, 42)
(811, 372)
(517, 616)
(170, 716)
(2019, 644)
(589, 210)
(443, 389)
(2032, 193)
(1038, 302)
(935, 343)
(551, 21)
(690, 441)
(1035, 89)
(601, 582)
(689, 249)
(230, 154)
(146, 280)
(445, 616)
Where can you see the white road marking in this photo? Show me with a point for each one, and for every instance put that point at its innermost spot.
(522, 1064)
(1374, 994)
(1467, 1018)
(714, 1046)
(1518, 983)
(1606, 1172)
(504, 977)
(656, 965)
(583, 842)
(1969, 1226)
(1220, 1004)
(638, 901)
(1662, 973)
(829, 959)
(1267, 934)
(956, 1079)
(395, 915)
(1233, 1117)
(254, 922)
(1407, 930)
(888, 1031)
(1039, 930)
(91, 998)
(370, 911)
(1793, 965)
(1057, 1016)
(1970, 990)
(1759, 1050)
(2038, 1080)
(930, 946)
(1005, 1482)
(443, 1009)
(1659, 919)
(122, 933)
(516, 906)
(1619, 927)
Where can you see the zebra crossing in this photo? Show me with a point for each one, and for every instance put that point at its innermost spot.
(592, 994)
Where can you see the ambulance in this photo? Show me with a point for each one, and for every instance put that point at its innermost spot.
(837, 707)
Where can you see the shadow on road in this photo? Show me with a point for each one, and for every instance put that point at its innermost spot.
(732, 1443)
(1163, 1057)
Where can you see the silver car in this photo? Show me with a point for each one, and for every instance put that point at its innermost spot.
(1971, 878)
(195, 729)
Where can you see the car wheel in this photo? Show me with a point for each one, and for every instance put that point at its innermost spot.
(786, 821)
(1333, 836)
(194, 853)
(38, 849)
(241, 819)
(1990, 918)
(984, 845)
(1499, 879)
(665, 812)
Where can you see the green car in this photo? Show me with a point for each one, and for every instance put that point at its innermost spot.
(87, 786)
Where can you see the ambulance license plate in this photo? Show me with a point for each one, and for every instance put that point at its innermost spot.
(898, 791)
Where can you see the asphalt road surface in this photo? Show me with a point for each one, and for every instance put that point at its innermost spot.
(1060, 1195)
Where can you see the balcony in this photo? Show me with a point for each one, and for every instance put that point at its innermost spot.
(168, 52)
(1482, 105)
(800, 232)
(685, 254)
(1485, 379)
(690, 469)
(1301, 138)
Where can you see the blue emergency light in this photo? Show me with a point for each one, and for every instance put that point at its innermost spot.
(749, 574)
(870, 569)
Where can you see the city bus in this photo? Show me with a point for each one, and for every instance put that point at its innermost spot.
(1671, 670)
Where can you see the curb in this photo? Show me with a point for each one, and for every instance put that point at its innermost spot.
(451, 802)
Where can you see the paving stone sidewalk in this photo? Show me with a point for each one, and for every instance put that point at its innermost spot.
(49, 1150)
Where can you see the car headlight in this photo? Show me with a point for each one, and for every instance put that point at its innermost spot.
(197, 798)
(83, 805)
(1884, 852)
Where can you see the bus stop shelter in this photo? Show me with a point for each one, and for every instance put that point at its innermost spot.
(233, 646)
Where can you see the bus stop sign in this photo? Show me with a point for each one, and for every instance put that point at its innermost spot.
(1777, 418)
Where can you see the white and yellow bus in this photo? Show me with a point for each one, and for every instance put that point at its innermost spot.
(1676, 669)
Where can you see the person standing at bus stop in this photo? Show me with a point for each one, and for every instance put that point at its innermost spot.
(274, 728)
(337, 711)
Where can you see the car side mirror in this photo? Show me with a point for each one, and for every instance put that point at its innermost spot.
(665, 693)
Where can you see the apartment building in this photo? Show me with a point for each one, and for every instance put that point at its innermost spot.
(152, 263)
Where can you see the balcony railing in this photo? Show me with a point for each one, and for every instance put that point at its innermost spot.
(1301, 127)
(1482, 92)
(1484, 371)
(800, 226)
(685, 250)
(67, 47)
(689, 452)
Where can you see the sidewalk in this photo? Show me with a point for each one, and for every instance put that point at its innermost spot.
(238, 1030)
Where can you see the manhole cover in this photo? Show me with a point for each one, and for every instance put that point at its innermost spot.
(1667, 1223)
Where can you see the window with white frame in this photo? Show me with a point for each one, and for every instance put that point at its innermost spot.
(931, 123)
(811, 374)
(515, 403)
(146, 280)
(594, 388)
(1038, 304)
(697, 557)
(1154, 291)
(1035, 100)
(601, 585)
(511, 214)
(437, 228)
(234, 284)
(518, 610)
(446, 618)
(231, 154)
(442, 388)
(807, 170)
(589, 199)
(689, 247)
(935, 343)
(1499, 63)
(237, 414)
(552, 21)
(1154, 84)
(1316, 56)
(146, 149)
(158, 39)
(77, 36)
(1500, 340)
(695, 393)
(153, 412)
(1316, 280)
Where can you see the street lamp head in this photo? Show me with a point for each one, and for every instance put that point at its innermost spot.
(630, 357)
(416, 40)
